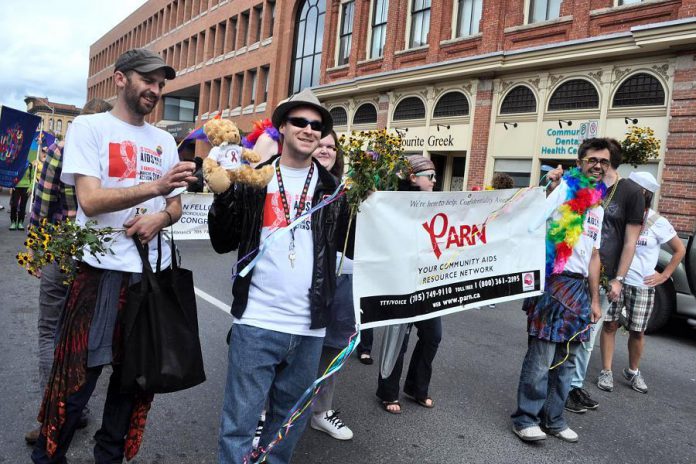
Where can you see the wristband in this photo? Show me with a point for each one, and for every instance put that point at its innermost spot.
(171, 221)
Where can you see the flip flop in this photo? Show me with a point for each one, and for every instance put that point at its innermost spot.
(386, 404)
(365, 358)
(423, 401)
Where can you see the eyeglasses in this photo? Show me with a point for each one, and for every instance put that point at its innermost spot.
(302, 123)
(430, 175)
(605, 163)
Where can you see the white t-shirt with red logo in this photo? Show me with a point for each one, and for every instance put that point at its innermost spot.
(121, 155)
(579, 261)
(648, 250)
(279, 293)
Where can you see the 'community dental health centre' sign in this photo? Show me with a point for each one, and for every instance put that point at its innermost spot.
(421, 255)
(567, 141)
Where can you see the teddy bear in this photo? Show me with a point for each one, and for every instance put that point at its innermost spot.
(228, 162)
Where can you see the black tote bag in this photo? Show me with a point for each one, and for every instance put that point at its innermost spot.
(161, 346)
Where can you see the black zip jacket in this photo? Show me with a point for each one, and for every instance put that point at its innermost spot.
(235, 221)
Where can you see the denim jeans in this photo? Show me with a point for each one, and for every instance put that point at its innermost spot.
(110, 438)
(265, 364)
(542, 393)
(584, 354)
(420, 369)
(52, 293)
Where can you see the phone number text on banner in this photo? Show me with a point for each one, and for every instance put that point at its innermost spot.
(421, 255)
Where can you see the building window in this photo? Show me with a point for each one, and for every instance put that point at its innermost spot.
(59, 126)
(468, 17)
(420, 23)
(239, 84)
(50, 124)
(576, 94)
(266, 78)
(346, 32)
(178, 109)
(628, 2)
(640, 90)
(253, 77)
(409, 108)
(366, 114)
(544, 10)
(519, 169)
(258, 16)
(519, 100)
(309, 39)
(271, 15)
(379, 28)
(451, 104)
(339, 116)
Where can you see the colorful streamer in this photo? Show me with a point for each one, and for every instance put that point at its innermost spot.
(563, 233)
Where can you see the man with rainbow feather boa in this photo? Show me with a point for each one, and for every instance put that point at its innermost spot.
(557, 321)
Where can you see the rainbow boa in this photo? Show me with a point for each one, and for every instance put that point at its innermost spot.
(563, 233)
(260, 127)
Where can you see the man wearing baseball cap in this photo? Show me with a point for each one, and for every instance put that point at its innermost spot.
(281, 308)
(127, 176)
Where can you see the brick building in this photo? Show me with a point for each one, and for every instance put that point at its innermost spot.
(482, 86)
(479, 86)
(55, 117)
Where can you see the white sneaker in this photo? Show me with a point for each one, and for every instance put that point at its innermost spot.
(330, 423)
(533, 433)
(566, 434)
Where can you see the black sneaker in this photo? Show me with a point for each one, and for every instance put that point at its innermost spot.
(586, 399)
(574, 402)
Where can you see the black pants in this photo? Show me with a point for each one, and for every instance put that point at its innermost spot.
(110, 438)
(365, 345)
(18, 204)
(420, 369)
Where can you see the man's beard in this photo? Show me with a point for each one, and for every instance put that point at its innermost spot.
(133, 101)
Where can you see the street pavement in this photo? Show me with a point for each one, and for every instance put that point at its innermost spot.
(474, 387)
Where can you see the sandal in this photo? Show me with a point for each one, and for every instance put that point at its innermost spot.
(423, 401)
(365, 358)
(386, 404)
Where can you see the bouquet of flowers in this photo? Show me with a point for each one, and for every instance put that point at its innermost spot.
(63, 243)
(640, 145)
(375, 160)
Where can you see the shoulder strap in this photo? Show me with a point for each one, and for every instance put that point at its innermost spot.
(652, 220)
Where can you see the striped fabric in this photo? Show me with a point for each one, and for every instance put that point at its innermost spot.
(561, 312)
(53, 200)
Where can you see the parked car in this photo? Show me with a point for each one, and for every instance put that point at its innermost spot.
(676, 298)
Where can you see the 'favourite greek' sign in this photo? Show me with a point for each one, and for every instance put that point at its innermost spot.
(421, 255)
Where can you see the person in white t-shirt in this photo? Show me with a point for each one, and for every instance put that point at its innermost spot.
(126, 176)
(281, 308)
(637, 299)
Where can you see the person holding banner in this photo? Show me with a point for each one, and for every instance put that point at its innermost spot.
(341, 325)
(282, 300)
(127, 176)
(421, 177)
(637, 296)
(19, 198)
(558, 320)
(54, 202)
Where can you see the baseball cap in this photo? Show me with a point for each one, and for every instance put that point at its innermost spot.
(143, 61)
(645, 180)
(306, 98)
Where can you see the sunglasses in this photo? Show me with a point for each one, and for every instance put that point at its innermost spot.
(431, 176)
(605, 163)
(302, 123)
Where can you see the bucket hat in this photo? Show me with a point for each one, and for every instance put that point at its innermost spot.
(306, 98)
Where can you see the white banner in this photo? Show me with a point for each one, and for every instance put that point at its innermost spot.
(421, 255)
(193, 224)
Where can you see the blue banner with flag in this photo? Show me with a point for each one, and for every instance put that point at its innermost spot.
(16, 136)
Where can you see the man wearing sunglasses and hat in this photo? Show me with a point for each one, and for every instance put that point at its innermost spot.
(281, 308)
